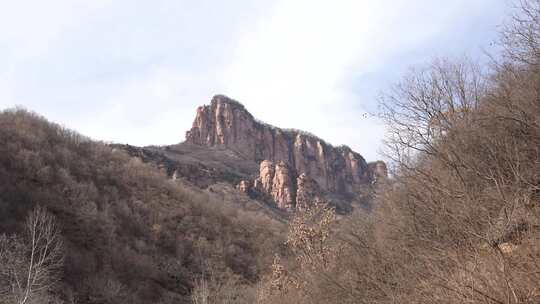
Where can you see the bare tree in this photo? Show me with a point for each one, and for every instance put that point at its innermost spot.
(459, 221)
(201, 292)
(427, 104)
(216, 286)
(521, 37)
(31, 263)
(313, 255)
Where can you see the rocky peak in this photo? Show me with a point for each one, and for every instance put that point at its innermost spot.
(219, 123)
(284, 154)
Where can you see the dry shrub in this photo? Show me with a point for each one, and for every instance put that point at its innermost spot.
(31, 264)
(458, 222)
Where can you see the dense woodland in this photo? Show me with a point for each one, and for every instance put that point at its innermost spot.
(457, 221)
(129, 234)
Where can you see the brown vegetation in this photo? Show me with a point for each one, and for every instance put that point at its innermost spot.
(32, 263)
(459, 222)
(131, 235)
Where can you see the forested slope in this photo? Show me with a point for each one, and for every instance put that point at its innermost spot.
(130, 234)
(459, 220)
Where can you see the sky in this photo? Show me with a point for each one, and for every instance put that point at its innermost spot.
(131, 71)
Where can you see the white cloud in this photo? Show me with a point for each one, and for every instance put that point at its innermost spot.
(134, 71)
(154, 109)
(28, 27)
(293, 68)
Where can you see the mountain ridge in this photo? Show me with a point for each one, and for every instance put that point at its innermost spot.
(227, 123)
(283, 154)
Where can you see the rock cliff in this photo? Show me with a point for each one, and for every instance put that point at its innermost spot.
(291, 161)
(283, 186)
(227, 123)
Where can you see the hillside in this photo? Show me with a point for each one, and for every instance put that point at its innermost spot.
(244, 212)
(131, 234)
(285, 170)
(459, 221)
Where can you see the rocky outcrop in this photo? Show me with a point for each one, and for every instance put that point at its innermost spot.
(244, 186)
(226, 123)
(377, 171)
(265, 180)
(281, 184)
(283, 187)
(276, 181)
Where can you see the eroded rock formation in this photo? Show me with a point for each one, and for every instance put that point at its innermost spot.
(244, 186)
(291, 160)
(281, 184)
(226, 122)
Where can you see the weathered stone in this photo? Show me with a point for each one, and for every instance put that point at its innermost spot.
(227, 123)
(244, 186)
(266, 175)
(280, 183)
(283, 188)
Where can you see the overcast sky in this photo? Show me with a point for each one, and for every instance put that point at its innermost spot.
(134, 72)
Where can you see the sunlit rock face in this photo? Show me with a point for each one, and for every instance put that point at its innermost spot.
(276, 182)
(286, 189)
(290, 159)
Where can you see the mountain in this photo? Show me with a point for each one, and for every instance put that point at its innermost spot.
(227, 123)
(143, 224)
(285, 168)
(230, 215)
(296, 168)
